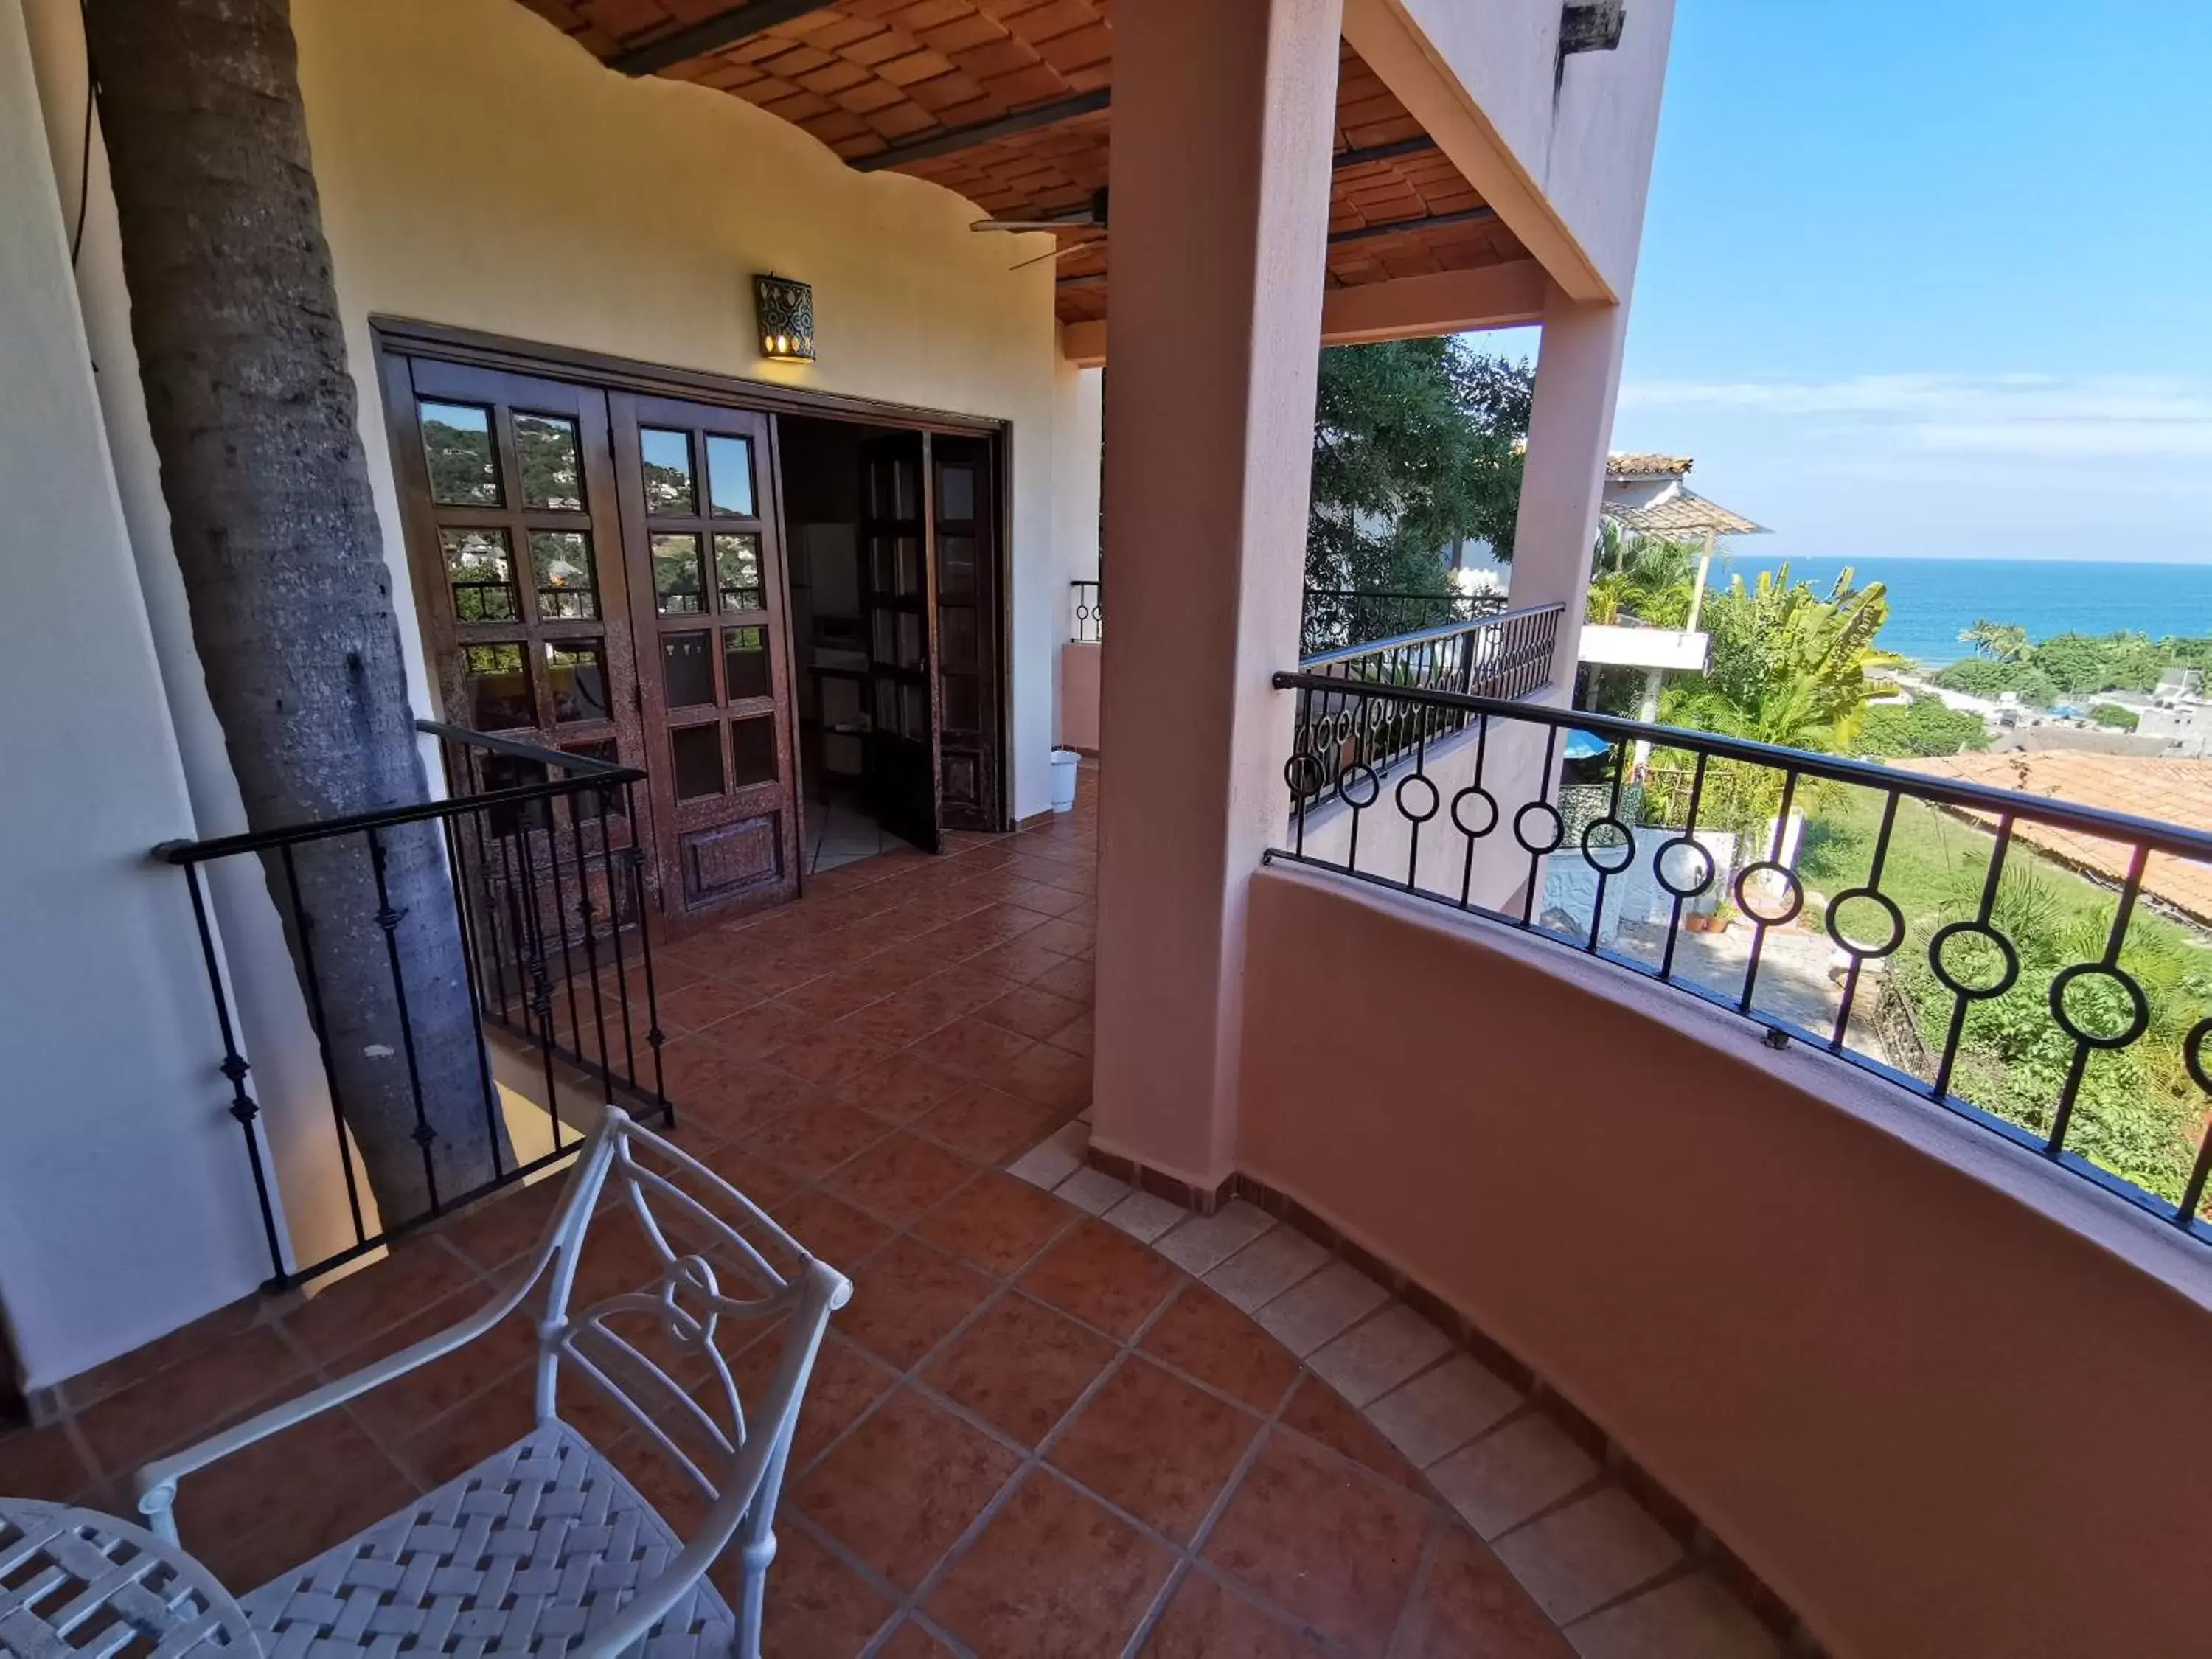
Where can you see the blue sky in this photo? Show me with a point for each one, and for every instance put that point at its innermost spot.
(1933, 277)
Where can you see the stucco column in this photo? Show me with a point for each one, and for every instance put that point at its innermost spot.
(1570, 425)
(1222, 126)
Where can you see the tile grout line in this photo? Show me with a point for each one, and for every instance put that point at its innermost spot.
(1689, 1561)
(1416, 1592)
(1182, 1556)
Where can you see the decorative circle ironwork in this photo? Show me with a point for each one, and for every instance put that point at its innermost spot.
(2193, 1053)
(1688, 843)
(1790, 884)
(1951, 982)
(1358, 769)
(1475, 792)
(1436, 800)
(1304, 774)
(1888, 907)
(1558, 827)
(2139, 1004)
(1626, 847)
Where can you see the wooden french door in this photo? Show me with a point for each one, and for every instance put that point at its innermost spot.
(965, 564)
(714, 648)
(600, 571)
(508, 489)
(899, 620)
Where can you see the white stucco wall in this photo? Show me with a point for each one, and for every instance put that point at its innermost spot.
(1075, 555)
(125, 1205)
(1579, 142)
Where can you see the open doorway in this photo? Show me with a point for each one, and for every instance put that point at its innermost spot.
(893, 573)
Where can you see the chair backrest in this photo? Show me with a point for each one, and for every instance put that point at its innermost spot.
(662, 1354)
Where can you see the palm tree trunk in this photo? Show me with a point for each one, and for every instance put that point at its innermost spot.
(236, 319)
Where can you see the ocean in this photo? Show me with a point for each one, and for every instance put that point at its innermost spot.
(1931, 600)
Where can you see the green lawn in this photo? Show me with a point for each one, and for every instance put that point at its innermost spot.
(2139, 1114)
(1937, 863)
(1933, 859)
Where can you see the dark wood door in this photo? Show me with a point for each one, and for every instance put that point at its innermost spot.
(508, 493)
(899, 622)
(964, 562)
(714, 649)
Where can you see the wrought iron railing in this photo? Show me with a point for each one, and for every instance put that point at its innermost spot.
(2068, 1014)
(1333, 618)
(1087, 619)
(534, 859)
(1337, 618)
(1507, 655)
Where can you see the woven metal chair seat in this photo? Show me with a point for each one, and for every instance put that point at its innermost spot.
(533, 1550)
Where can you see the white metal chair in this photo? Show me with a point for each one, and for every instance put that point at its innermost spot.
(543, 1547)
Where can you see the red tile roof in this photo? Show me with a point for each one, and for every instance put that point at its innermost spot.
(2178, 792)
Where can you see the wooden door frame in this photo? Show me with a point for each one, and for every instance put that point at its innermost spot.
(407, 336)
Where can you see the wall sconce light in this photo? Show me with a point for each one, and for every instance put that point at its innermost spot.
(786, 312)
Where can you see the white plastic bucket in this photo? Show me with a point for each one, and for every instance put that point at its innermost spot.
(1063, 779)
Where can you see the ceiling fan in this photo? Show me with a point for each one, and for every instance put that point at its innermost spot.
(1090, 218)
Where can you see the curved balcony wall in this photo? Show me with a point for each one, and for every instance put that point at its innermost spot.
(1945, 1398)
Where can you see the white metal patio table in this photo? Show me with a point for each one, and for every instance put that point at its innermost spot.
(78, 1584)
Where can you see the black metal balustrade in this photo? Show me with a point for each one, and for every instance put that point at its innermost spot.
(1505, 655)
(1087, 626)
(541, 858)
(1335, 618)
(1694, 825)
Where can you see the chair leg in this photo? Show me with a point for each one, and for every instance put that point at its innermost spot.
(756, 1546)
(753, 1557)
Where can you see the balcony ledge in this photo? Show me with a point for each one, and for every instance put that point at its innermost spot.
(1824, 1083)
(1642, 648)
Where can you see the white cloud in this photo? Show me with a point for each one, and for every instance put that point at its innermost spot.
(2028, 418)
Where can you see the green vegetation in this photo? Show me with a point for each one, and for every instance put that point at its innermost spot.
(1795, 666)
(1788, 665)
(1978, 677)
(1923, 726)
(2138, 1112)
(1416, 445)
(1646, 577)
(2112, 714)
(1999, 641)
(2068, 664)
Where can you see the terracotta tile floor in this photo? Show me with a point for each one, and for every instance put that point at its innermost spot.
(1034, 1431)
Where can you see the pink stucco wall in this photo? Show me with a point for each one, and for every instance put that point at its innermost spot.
(1948, 1401)
(1224, 114)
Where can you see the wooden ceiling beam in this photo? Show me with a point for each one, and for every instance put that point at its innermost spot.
(1343, 159)
(1032, 120)
(1474, 215)
(1353, 158)
(723, 29)
(1509, 295)
(1477, 215)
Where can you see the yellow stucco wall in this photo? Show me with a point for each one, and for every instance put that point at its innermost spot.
(479, 169)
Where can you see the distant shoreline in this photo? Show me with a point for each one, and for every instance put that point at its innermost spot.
(1932, 600)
